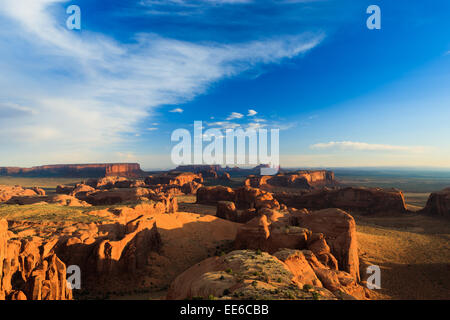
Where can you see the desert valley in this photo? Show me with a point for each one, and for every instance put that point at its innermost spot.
(208, 232)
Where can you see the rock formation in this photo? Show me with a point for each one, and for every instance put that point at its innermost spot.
(58, 199)
(246, 274)
(178, 179)
(225, 177)
(3, 252)
(30, 270)
(175, 183)
(339, 231)
(244, 197)
(207, 171)
(438, 203)
(8, 192)
(122, 250)
(131, 195)
(329, 233)
(352, 199)
(211, 195)
(306, 179)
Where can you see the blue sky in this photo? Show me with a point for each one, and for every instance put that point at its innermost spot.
(341, 94)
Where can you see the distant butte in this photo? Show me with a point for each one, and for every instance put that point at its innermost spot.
(76, 170)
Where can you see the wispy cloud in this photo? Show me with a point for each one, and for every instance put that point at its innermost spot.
(84, 90)
(362, 146)
(177, 110)
(235, 115)
(251, 113)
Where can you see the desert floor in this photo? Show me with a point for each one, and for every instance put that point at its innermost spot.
(413, 253)
(412, 250)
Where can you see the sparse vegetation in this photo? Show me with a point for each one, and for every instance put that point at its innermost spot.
(315, 295)
(307, 287)
(47, 212)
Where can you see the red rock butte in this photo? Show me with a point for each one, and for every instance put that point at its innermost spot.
(76, 170)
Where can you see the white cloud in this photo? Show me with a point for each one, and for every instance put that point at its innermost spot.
(88, 90)
(177, 110)
(251, 113)
(235, 115)
(223, 124)
(152, 129)
(362, 146)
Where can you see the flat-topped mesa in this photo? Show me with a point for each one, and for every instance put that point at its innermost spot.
(76, 170)
(300, 179)
(352, 199)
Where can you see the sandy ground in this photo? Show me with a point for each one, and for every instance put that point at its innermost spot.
(413, 252)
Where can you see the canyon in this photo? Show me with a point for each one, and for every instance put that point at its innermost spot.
(180, 235)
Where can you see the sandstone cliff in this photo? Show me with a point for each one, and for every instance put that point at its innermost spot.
(353, 199)
(29, 270)
(438, 203)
